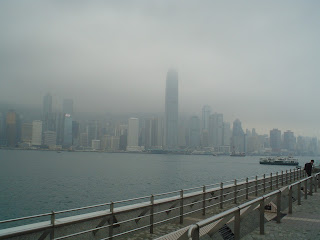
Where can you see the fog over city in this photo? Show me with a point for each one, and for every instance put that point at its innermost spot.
(253, 60)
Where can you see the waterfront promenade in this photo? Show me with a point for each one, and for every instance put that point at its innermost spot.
(303, 223)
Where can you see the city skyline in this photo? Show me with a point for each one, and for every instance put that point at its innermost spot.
(255, 61)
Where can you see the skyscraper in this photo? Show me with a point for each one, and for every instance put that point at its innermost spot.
(171, 110)
(67, 130)
(133, 134)
(216, 130)
(206, 111)
(47, 115)
(275, 140)
(238, 137)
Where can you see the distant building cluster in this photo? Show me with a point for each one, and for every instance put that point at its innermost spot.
(57, 130)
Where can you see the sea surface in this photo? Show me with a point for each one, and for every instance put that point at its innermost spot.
(35, 182)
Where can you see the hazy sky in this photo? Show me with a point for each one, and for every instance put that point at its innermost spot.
(253, 60)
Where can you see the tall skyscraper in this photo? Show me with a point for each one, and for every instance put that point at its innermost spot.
(275, 140)
(238, 137)
(133, 134)
(289, 140)
(47, 115)
(67, 130)
(171, 110)
(216, 130)
(206, 111)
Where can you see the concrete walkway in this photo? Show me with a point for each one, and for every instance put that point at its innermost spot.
(303, 223)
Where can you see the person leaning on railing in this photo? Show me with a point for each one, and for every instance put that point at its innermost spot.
(308, 167)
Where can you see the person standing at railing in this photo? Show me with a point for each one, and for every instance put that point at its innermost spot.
(308, 167)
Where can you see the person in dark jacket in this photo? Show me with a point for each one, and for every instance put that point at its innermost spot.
(308, 167)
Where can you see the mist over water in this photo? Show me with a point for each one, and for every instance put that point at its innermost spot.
(34, 182)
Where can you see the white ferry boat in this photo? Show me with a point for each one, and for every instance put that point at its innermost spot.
(291, 161)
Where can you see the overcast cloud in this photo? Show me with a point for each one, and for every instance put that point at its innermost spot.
(253, 60)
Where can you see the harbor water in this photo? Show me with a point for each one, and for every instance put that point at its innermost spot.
(34, 182)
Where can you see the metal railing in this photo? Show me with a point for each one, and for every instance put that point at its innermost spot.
(207, 197)
(194, 232)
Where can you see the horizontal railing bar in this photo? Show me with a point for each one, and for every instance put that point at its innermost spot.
(82, 208)
(132, 199)
(24, 218)
(167, 193)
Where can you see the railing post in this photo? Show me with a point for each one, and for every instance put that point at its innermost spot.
(151, 213)
(277, 180)
(281, 178)
(53, 219)
(286, 177)
(235, 191)
(290, 176)
(264, 182)
(270, 181)
(315, 183)
(300, 173)
(299, 193)
(278, 206)
(195, 234)
(305, 189)
(261, 208)
(204, 200)
(247, 188)
(256, 185)
(221, 195)
(111, 220)
(311, 185)
(318, 177)
(290, 200)
(237, 224)
(181, 206)
(294, 174)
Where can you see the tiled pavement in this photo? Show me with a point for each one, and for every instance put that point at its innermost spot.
(303, 223)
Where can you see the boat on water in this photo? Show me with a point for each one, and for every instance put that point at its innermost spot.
(197, 152)
(288, 161)
(240, 154)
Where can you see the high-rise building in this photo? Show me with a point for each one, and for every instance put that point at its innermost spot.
(50, 139)
(216, 130)
(238, 137)
(67, 131)
(171, 110)
(289, 140)
(206, 111)
(226, 134)
(92, 131)
(275, 140)
(67, 106)
(12, 128)
(47, 114)
(133, 134)
(47, 104)
(36, 133)
(26, 132)
(95, 144)
(152, 132)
